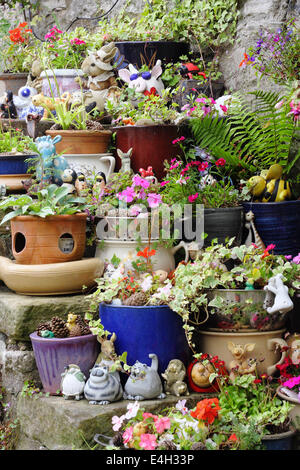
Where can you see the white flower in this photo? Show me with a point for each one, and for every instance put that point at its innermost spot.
(117, 422)
(147, 283)
(132, 408)
(180, 405)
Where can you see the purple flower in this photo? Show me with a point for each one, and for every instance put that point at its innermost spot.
(138, 181)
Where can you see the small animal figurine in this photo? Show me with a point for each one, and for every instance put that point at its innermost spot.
(107, 348)
(24, 104)
(71, 321)
(147, 83)
(174, 378)
(125, 158)
(34, 79)
(8, 108)
(53, 165)
(162, 275)
(69, 177)
(144, 382)
(73, 382)
(102, 387)
(253, 235)
(100, 183)
(40, 100)
(81, 184)
(282, 302)
(269, 186)
(241, 364)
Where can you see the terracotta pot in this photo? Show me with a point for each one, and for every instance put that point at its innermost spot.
(50, 279)
(266, 350)
(82, 141)
(151, 146)
(36, 240)
(12, 81)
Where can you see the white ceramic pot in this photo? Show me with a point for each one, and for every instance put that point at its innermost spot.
(266, 350)
(90, 164)
(63, 78)
(126, 250)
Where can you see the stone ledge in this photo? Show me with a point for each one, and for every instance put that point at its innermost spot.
(58, 424)
(20, 314)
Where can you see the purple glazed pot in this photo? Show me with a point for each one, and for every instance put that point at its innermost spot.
(52, 355)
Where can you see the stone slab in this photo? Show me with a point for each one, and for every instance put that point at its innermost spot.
(21, 314)
(58, 424)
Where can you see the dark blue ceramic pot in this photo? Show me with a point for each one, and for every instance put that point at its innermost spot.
(13, 164)
(144, 330)
(278, 223)
(283, 441)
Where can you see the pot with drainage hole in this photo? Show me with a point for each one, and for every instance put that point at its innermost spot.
(53, 239)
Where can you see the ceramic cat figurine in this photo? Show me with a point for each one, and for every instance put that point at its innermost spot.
(144, 382)
(102, 387)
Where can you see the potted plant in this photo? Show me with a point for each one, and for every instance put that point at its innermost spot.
(142, 122)
(16, 44)
(166, 32)
(203, 287)
(80, 134)
(15, 150)
(45, 220)
(57, 343)
(123, 298)
(276, 222)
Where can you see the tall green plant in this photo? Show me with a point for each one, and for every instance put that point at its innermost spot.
(251, 140)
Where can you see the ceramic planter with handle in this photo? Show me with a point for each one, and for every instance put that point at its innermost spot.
(63, 79)
(92, 163)
(291, 397)
(127, 250)
(267, 347)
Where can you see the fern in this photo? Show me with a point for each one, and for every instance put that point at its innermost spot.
(250, 141)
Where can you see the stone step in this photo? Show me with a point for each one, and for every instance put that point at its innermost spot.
(54, 423)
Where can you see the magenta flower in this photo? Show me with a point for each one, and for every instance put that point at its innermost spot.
(127, 435)
(224, 108)
(77, 41)
(291, 383)
(270, 247)
(203, 166)
(148, 441)
(200, 100)
(127, 195)
(193, 197)
(161, 424)
(179, 139)
(206, 110)
(163, 183)
(221, 162)
(138, 181)
(154, 200)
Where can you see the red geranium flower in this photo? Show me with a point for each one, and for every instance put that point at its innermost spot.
(146, 253)
(207, 410)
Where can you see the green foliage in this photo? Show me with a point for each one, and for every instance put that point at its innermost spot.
(250, 141)
(52, 200)
(73, 117)
(14, 141)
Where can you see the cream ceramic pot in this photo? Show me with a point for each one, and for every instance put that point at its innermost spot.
(92, 163)
(126, 250)
(266, 350)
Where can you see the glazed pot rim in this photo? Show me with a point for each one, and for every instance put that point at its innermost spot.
(271, 203)
(50, 217)
(282, 435)
(78, 132)
(237, 290)
(144, 127)
(134, 306)
(223, 208)
(224, 332)
(164, 41)
(286, 397)
(35, 336)
(17, 155)
(13, 75)
(60, 72)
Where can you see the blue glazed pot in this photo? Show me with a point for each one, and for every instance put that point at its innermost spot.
(278, 223)
(281, 441)
(144, 330)
(13, 164)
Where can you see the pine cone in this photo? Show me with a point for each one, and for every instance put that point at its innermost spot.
(85, 329)
(168, 445)
(137, 299)
(75, 331)
(117, 440)
(59, 328)
(43, 326)
(198, 446)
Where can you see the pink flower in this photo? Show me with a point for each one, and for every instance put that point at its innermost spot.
(154, 200)
(127, 435)
(224, 108)
(163, 183)
(206, 110)
(148, 442)
(288, 257)
(212, 101)
(270, 247)
(203, 166)
(138, 181)
(200, 100)
(193, 197)
(279, 104)
(174, 165)
(149, 415)
(221, 162)
(132, 408)
(77, 41)
(296, 259)
(179, 139)
(127, 194)
(117, 422)
(161, 424)
(291, 383)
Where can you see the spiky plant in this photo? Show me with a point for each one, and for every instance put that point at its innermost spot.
(251, 140)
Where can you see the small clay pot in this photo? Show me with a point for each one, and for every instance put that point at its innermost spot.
(82, 141)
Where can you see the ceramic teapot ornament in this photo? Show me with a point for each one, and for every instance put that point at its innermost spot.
(73, 382)
(147, 83)
(144, 382)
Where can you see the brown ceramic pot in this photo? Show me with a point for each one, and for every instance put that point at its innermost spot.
(82, 141)
(151, 146)
(12, 81)
(37, 240)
